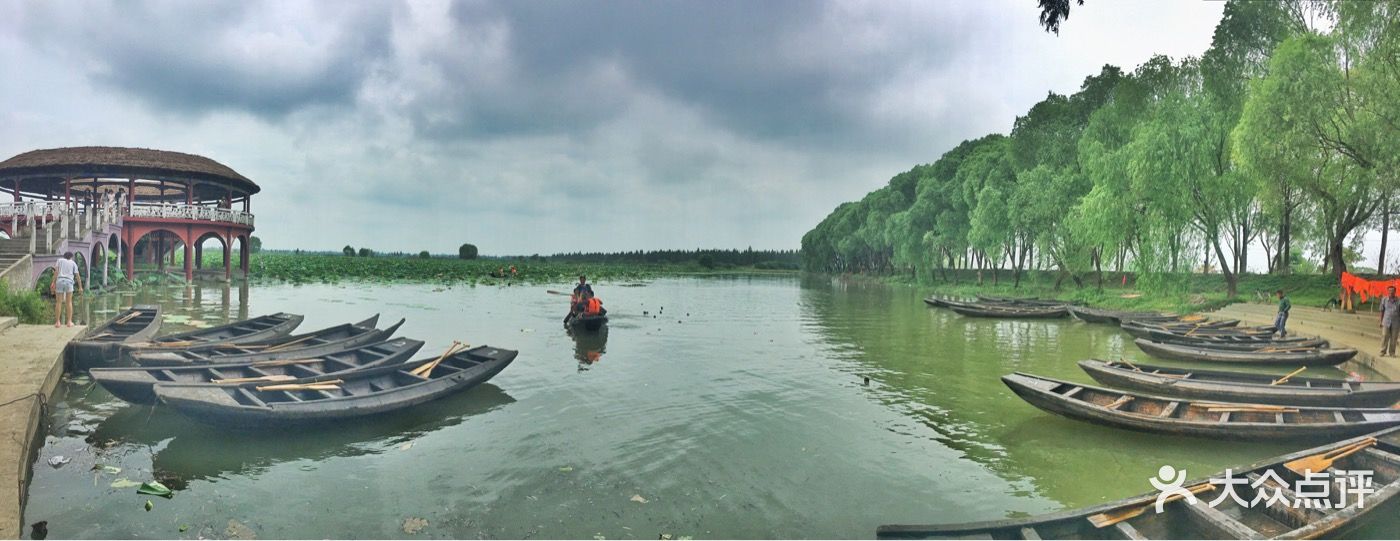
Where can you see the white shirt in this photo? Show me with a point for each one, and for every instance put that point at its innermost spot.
(66, 268)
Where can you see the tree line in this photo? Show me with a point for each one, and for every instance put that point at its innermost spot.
(1282, 135)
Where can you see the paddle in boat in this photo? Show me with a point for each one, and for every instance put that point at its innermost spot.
(136, 385)
(330, 339)
(333, 397)
(1227, 518)
(1289, 389)
(249, 330)
(101, 345)
(1206, 419)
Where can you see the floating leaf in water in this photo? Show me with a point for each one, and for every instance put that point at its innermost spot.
(154, 488)
(412, 525)
(176, 318)
(566, 469)
(149, 505)
(638, 498)
(124, 483)
(184, 527)
(107, 469)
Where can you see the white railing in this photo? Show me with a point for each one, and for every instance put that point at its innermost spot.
(192, 212)
(32, 208)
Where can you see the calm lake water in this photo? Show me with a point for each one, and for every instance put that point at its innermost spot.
(729, 408)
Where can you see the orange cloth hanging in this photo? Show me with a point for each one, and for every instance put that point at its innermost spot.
(1352, 283)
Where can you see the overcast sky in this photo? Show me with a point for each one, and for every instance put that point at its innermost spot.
(545, 126)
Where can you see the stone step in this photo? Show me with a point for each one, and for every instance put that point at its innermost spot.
(7, 323)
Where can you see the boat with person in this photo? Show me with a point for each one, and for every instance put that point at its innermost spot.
(244, 331)
(587, 322)
(336, 338)
(102, 344)
(1207, 518)
(336, 397)
(137, 385)
(1289, 389)
(1204, 419)
(1283, 354)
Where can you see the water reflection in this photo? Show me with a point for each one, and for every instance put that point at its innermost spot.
(589, 346)
(185, 450)
(214, 304)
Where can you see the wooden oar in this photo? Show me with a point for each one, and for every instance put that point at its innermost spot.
(1258, 407)
(270, 377)
(285, 362)
(126, 318)
(1290, 375)
(553, 292)
(289, 344)
(427, 368)
(1130, 365)
(1240, 409)
(1109, 518)
(1321, 461)
(313, 386)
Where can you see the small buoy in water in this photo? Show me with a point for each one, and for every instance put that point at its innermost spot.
(867, 380)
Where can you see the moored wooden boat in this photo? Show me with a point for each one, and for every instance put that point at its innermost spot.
(1230, 519)
(1208, 337)
(588, 323)
(137, 385)
(936, 301)
(1103, 315)
(1022, 312)
(101, 344)
(1020, 302)
(1246, 387)
(330, 339)
(248, 330)
(1284, 354)
(364, 392)
(1241, 345)
(1183, 417)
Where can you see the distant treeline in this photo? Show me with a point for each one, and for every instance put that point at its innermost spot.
(763, 259)
(1283, 135)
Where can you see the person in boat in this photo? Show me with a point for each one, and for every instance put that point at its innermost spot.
(1284, 305)
(1390, 322)
(65, 278)
(577, 300)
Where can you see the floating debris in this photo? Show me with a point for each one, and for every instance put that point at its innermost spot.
(57, 461)
(149, 505)
(412, 525)
(237, 530)
(125, 483)
(638, 498)
(155, 488)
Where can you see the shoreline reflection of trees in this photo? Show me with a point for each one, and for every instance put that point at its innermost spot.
(185, 450)
(589, 346)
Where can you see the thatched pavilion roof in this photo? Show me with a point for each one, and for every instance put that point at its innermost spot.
(45, 170)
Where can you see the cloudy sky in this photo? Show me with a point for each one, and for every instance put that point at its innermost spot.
(547, 126)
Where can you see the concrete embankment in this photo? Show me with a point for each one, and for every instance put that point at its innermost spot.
(31, 357)
(1360, 330)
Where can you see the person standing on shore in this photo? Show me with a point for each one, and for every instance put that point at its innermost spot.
(1390, 322)
(1284, 305)
(65, 278)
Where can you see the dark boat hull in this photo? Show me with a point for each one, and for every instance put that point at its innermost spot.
(1179, 521)
(1144, 413)
(588, 323)
(1243, 387)
(95, 349)
(1010, 313)
(361, 337)
(1112, 317)
(137, 385)
(219, 405)
(1312, 357)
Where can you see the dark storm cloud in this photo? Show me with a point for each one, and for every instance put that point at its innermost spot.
(267, 59)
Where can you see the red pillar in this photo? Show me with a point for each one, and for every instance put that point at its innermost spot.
(189, 256)
(130, 253)
(243, 257)
(228, 253)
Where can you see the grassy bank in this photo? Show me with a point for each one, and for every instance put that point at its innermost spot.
(300, 268)
(28, 306)
(1177, 293)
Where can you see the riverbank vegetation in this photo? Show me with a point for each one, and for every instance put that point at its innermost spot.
(28, 306)
(332, 266)
(1282, 136)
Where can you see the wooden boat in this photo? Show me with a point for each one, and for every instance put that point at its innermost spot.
(937, 302)
(1254, 345)
(1282, 355)
(1224, 386)
(330, 339)
(249, 330)
(1136, 517)
(102, 344)
(326, 398)
(1013, 301)
(137, 385)
(1102, 315)
(1182, 417)
(1208, 337)
(587, 323)
(986, 310)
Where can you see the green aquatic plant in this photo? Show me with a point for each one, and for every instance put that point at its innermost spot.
(26, 305)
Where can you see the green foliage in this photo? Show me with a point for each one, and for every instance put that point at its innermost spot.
(254, 244)
(366, 252)
(706, 261)
(424, 255)
(28, 306)
(348, 250)
(466, 251)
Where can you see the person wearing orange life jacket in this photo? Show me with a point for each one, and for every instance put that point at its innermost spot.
(592, 306)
